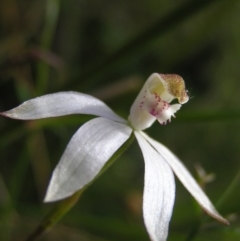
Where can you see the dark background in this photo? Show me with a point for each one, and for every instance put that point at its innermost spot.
(108, 49)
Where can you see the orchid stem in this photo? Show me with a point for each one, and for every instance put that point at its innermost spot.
(59, 210)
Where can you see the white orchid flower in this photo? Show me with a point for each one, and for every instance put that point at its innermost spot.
(98, 139)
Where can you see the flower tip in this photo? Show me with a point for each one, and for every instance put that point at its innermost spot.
(48, 198)
(222, 220)
(53, 195)
(183, 98)
(176, 87)
(214, 214)
(9, 114)
(226, 222)
(53, 198)
(3, 114)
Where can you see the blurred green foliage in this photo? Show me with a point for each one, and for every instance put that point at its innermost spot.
(108, 49)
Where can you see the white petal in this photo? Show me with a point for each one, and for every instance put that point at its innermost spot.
(186, 178)
(87, 152)
(159, 191)
(138, 118)
(59, 104)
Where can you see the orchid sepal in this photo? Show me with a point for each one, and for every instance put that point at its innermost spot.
(84, 157)
(61, 104)
(186, 178)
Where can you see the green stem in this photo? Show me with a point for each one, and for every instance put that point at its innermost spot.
(59, 210)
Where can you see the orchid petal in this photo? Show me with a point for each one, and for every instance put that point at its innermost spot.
(159, 191)
(87, 152)
(60, 104)
(187, 180)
